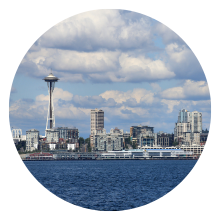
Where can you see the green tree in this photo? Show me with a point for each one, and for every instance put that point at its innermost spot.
(21, 144)
(175, 143)
(87, 141)
(128, 141)
(81, 141)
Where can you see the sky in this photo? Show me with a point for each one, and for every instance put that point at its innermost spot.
(131, 66)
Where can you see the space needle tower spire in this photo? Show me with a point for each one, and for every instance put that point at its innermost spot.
(51, 79)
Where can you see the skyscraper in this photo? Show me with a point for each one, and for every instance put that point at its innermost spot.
(97, 122)
(183, 116)
(190, 122)
(195, 119)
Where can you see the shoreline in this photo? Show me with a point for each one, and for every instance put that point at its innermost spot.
(110, 159)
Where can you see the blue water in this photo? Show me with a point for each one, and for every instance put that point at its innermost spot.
(110, 184)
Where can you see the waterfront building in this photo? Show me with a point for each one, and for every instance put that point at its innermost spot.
(52, 136)
(17, 136)
(146, 153)
(62, 145)
(179, 130)
(137, 132)
(43, 145)
(146, 141)
(191, 138)
(68, 134)
(196, 149)
(112, 141)
(126, 135)
(32, 139)
(52, 146)
(71, 146)
(96, 122)
(16, 133)
(165, 140)
(126, 139)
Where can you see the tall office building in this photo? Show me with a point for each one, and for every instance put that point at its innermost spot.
(183, 116)
(97, 122)
(180, 129)
(190, 122)
(195, 118)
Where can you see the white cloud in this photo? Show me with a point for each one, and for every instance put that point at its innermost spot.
(182, 61)
(170, 104)
(134, 69)
(57, 94)
(173, 93)
(142, 68)
(74, 61)
(99, 29)
(190, 90)
(199, 88)
(200, 105)
(167, 34)
(28, 110)
(81, 62)
(137, 94)
(110, 46)
(98, 66)
(69, 111)
(155, 87)
(178, 53)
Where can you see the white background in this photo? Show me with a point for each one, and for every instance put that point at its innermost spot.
(22, 22)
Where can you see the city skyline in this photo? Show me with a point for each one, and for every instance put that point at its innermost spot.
(132, 67)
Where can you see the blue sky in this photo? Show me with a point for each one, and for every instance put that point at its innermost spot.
(134, 68)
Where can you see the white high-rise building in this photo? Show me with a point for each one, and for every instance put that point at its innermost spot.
(97, 122)
(32, 139)
(183, 116)
(190, 122)
(180, 128)
(195, 119)
(52, 135)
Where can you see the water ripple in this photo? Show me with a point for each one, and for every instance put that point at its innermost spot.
(110, 185)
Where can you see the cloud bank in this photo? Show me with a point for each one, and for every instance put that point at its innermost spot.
(108, 46)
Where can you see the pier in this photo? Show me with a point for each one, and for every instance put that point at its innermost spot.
(112, 155)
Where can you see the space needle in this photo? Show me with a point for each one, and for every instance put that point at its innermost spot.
(51, 79)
